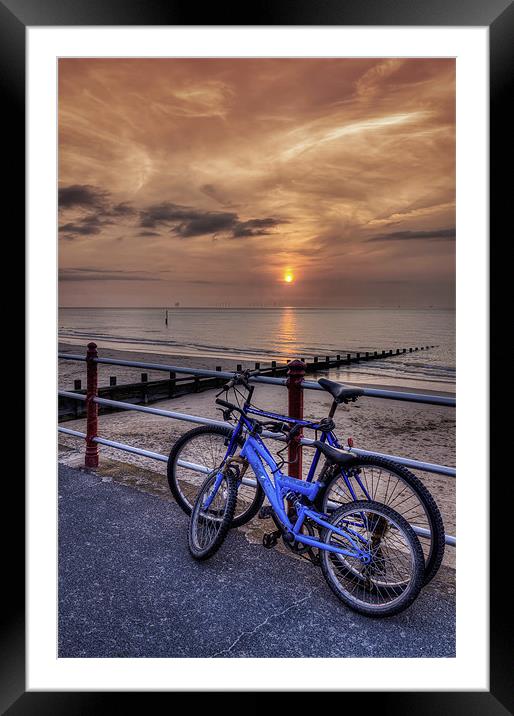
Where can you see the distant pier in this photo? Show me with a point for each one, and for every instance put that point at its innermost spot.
(147, 391)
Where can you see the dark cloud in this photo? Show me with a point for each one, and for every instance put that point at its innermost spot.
(187, 222)
(255, 227)
(206, 282)
(123, 209)
(184, 221)
(92, 274)
(430, 235)
(85, 226)
(166, 213)
(75, 199)
(211, 222)
(82, 195)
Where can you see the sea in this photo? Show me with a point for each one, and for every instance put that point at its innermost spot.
(265, 334)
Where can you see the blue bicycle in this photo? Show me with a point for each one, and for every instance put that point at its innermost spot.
(342, 476)
(369, 554)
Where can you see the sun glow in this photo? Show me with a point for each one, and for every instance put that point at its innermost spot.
(288, 276)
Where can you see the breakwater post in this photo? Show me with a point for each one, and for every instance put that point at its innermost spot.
(150, 391)
(295, 376)
(91, 459)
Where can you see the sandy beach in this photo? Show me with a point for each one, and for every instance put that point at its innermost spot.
(423, 432)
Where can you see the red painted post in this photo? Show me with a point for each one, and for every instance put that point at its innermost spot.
(295, 376)
(91, 459)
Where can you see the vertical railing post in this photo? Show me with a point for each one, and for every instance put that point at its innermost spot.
(295, 376)
(91, 459)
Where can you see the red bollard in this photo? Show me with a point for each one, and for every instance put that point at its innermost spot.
(91, 459)
(295, 376)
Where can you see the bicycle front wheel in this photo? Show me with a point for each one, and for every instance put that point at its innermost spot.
(393, 577)
(384, 481)
(204, 448)
(212, 515)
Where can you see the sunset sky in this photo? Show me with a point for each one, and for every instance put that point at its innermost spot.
(307, 182)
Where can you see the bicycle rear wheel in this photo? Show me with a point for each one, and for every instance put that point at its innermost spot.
(392, 579)
(212, 515)
(206, 446)
(393, 485)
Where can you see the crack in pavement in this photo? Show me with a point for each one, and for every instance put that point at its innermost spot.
(263, 623)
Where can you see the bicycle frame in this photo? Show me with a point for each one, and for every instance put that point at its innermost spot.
(326, 436)
(255, 451)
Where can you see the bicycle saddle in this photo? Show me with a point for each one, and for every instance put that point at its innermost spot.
(334, 455)
(339, 392)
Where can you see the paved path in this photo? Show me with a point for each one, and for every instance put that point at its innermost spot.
(129, 588)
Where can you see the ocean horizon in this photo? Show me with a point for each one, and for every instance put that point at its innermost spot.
(280, 333)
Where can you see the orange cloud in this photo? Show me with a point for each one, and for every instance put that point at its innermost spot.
(254, 165)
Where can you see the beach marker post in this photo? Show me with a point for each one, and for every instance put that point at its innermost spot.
(295, 376)
(91, 458)
(172, 383)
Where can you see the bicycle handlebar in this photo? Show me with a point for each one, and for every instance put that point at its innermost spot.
(228, 405)
(240, 379)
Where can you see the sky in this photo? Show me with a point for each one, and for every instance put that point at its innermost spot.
(248, 182)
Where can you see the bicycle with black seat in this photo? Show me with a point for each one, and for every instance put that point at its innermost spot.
(336, 475)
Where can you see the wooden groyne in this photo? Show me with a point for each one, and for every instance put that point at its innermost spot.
(151, 391)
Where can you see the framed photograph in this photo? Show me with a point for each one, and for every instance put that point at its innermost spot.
(258, 298)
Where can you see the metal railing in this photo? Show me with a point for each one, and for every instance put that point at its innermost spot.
(295, 384)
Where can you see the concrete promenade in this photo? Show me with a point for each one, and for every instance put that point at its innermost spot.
(129, 588)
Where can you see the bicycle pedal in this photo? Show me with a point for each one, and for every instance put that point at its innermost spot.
(265, 512)
(270, 539)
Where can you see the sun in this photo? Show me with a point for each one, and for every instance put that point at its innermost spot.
(288, 276)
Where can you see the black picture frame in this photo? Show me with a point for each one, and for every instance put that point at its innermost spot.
(498, 16)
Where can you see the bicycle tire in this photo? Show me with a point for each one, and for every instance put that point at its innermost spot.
(407, 591)
(437, 537)
(245, 509)
(222, 522)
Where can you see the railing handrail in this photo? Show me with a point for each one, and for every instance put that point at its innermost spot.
(386, 394)
(187, 417)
